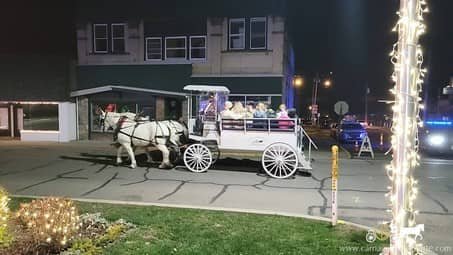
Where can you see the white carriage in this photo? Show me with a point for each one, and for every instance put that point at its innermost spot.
(280, 142)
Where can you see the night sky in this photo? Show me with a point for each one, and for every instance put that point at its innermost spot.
(351, 38)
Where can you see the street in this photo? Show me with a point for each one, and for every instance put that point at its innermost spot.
(86, 169)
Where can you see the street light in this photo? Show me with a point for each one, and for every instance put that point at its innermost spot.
(298, 81)
(327, 84)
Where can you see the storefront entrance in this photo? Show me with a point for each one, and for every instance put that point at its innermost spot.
(10, 120)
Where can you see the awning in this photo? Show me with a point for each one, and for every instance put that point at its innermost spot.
(207, 88)
(107, 88)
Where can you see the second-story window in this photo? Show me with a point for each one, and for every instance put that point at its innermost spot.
(198, 47)
(118, 38)
(100, 33)
(154, 48)
(236, 35)
(175, 47)
(258, 33)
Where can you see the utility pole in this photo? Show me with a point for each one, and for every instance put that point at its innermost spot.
(367, 91)
(314, 98)
(407, 58)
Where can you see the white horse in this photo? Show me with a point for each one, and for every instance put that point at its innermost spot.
(132, 134)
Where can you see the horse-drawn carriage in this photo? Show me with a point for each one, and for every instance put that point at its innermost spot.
(280, 142)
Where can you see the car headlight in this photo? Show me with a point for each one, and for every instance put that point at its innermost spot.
(436, 140)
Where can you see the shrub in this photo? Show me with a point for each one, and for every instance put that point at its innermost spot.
(83, 246)
(52, 222)
(5, 237)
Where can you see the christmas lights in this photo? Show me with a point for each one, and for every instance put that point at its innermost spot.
(4, 211)
(51, 220)
(407, 58)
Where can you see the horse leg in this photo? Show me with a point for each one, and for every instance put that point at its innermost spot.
(118, 155)
(165, 156)
(148, 155)
(130, 152)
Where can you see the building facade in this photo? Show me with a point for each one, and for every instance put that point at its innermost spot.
(130, 60)
(137, 56)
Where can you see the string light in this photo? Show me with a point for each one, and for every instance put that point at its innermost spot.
(4, 210)
(51, 220)
(407, 58)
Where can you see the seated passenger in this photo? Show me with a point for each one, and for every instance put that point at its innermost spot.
(239, 113)
(260, 113)
(250, 111)
(283, 114)
(227, 114)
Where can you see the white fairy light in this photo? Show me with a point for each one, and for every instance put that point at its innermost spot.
(407, 58)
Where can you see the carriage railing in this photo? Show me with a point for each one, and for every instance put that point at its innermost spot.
(300, 142)
(259, 124)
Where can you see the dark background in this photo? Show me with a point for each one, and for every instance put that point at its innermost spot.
(351, 38)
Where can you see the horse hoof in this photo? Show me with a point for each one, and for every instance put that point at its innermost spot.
(133, 166)
(165, 166)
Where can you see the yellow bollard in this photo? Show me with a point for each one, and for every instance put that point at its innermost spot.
(334, 184)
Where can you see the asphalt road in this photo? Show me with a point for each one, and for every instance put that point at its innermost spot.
(87, 170)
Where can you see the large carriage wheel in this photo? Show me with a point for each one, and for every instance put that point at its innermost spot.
(197, 157)
(279, 160)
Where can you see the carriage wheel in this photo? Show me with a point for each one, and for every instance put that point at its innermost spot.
(279, 160)
(197, 157)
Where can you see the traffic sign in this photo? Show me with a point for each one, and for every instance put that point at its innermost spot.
(341, 107)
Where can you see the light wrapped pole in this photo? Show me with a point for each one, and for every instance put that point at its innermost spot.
(408, 76)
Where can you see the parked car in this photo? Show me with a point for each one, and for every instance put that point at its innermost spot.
(437, 137)
(348, 132)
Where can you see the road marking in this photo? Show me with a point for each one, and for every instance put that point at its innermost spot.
(437, 162)
(436, 177)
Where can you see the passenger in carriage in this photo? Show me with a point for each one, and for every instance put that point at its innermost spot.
(226, 115)
(283, 114)
(260, 113)
(238, 114)
(250, 111)
(269, 112)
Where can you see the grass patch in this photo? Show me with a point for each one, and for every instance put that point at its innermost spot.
(189, 231)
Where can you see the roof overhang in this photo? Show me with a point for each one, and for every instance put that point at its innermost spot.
(207, 88)
(107, 88)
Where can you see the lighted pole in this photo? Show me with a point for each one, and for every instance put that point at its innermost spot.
(407, 58)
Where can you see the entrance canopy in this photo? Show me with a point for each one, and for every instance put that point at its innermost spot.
(107, 88)
(207, 88)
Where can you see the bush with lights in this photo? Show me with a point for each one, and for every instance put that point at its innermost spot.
(5, 237)
(52, 222)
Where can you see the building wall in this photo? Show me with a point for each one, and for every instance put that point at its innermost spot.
(221, 61)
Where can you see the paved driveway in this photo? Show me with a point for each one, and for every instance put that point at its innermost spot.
(86, 170)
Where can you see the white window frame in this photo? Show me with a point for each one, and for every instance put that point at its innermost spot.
(231, 35)
(205, 47)
(185, 47)
(258, 19)
(146, 48)
(123, 37)
(101, 38)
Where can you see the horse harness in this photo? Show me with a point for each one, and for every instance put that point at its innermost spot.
(120, 128)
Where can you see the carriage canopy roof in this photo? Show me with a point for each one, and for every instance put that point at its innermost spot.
(207, 88)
